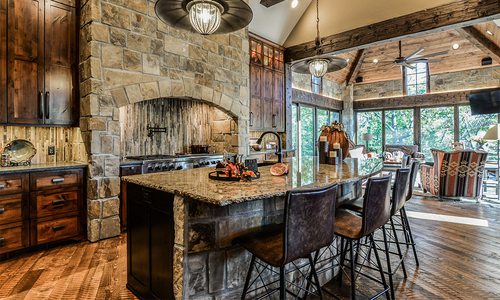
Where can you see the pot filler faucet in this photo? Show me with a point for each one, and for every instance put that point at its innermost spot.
(279, 149)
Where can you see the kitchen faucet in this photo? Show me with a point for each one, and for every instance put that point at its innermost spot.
(279, 149)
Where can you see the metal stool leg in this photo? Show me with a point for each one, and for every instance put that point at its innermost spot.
(353, 276)
(379, 264)
(411, 236)
(388, 258)
(282, 284)
(400, 254)
(247, 280)
(315, 275)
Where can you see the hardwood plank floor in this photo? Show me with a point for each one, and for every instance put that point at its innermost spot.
(457, 261)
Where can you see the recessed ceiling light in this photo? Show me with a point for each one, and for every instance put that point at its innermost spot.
(295, 3)
(375, 61)
(347, 60)
(489, 32)
(455, 46)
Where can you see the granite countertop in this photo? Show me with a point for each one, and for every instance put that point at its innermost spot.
(41, 167)
(303, 173)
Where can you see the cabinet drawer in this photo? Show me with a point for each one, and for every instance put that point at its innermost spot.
(11, 209)
(53, 180)
(53, 230)
(12, 184)
(11, 238)
(48, 204)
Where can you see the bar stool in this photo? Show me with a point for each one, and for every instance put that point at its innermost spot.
(352, 228)
(409, 241)
(398, 199)
(308, 226)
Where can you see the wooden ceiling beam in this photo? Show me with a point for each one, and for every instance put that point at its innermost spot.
(356, 66)
(449, 16)
(478, 39)
(269, 3)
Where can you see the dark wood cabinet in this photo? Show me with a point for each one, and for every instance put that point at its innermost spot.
(41, 207)
(266, 86)
(150, 243)
(3, 61)
(42, 62)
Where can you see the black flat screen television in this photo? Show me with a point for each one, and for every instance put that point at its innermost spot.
(487, 102)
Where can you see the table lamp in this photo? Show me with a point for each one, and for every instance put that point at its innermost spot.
(367, 137)
(493, 134)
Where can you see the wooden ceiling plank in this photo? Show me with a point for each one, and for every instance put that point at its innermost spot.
(478, 39)
(269, 3)
(453, 15)
(356, 66)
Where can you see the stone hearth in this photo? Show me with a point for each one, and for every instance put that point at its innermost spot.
(126, 56)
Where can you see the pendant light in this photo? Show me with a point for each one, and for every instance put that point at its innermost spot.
(205, 16)
(320, 64)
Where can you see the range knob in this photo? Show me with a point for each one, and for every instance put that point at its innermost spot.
(171, 167)
(179, 168)
(158, 167)
(150, 168)
(196, 165)
(164, 167)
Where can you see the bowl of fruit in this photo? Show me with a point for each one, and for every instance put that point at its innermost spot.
(229, 171)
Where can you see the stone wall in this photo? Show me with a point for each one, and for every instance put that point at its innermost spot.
(128, 55)
(444, 82)
(331, 89)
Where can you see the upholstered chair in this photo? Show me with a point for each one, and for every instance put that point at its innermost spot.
(455, 174)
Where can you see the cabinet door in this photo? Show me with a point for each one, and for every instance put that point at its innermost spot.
(278, 103)
(267, 98)
(60, 62)
(255, 118)
(25, 60)
(3, 61)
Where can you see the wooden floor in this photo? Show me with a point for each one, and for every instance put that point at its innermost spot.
(457, 260)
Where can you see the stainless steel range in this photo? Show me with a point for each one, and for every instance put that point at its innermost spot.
(163, 163)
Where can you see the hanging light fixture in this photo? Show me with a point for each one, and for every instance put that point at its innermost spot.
(205, 16)
(320, 64)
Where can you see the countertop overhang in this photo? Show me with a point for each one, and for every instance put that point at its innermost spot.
(42, 167)
(303, 173)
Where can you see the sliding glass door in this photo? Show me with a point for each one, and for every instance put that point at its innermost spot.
(472, 129)
(306, 127)
(437, 129)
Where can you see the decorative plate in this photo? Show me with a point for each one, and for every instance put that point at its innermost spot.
(20, 152)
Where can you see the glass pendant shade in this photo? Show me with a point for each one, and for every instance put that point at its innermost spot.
(318, 67)
(205, 16)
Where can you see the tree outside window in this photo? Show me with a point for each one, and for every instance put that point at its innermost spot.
(472, 129)
(399, 127)
(437, 129)
(370, 122)
(417, 79)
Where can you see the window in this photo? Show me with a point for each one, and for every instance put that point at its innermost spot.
(437, 129)
(416, 79)
(334, 116)
(306, 127)
(472, 128)
(370, 122)
(306, 131)
(399, 127)
(316, 85)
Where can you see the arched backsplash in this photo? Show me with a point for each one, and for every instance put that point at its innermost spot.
(187, 122)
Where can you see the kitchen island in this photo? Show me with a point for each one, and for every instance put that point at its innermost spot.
(181, 224)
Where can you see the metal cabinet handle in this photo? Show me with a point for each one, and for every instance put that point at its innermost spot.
(47, 103)
(58, 202)
(274, 120)
(251, 119)
(2, 210)
(2, 241)
(40, 105)
(2, 186)
(59, 227)
(57, 180)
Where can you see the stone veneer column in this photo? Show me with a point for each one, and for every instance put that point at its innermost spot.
(348, 111)
(127, 55)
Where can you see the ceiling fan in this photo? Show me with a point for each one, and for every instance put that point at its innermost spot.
(414, 57)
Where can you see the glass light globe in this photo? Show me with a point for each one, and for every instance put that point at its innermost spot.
(205, 15)
(318, 67)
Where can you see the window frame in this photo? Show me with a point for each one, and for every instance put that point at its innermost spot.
(427, 85)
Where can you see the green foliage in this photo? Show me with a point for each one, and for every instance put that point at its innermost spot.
(370, 122)
(399, 127)
(472, 127)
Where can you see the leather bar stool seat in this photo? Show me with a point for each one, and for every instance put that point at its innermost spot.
(348, 224)
(266, 244)
(308, 226)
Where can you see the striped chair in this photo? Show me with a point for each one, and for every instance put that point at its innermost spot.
(455, 174)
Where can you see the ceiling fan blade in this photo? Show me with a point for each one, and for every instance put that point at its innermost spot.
(415, 53)
(435, 54)
(409, 66)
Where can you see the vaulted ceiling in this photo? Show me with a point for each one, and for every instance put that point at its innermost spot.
(467, 56)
